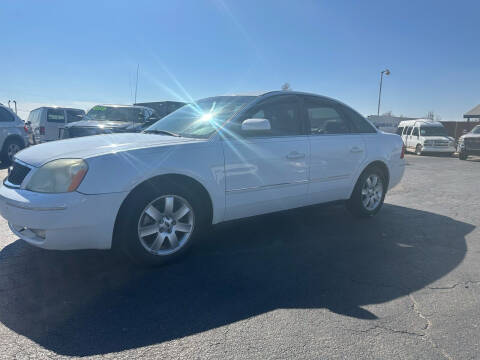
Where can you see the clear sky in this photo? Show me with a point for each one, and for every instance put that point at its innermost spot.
(79, 53)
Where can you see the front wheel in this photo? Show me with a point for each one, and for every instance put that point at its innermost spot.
(369, 193)
(462, 155)
(418, 150)
(159, 225)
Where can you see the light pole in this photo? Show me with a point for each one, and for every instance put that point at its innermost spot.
(386, 72)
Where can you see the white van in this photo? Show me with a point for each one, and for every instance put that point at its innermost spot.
(425, 136)
(46, 122)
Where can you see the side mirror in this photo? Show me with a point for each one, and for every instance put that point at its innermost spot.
(152, 119)
(256, 125)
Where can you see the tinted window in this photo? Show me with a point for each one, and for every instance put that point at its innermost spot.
(56, 116)
(361, 125)
(6, 115)
(399, 131)
(283, 114)
(415, 131)
(324, 118)
(74, 115)
(409, 130)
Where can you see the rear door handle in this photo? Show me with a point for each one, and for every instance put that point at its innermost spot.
(356, 149)
(295, 155)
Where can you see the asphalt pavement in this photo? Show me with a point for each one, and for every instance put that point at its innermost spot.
(312, 283)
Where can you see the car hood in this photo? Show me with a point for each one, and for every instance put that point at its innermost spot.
(91, 146)
(100, 124)
(470, 135)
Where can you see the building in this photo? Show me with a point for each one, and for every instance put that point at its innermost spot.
(387, 123)
(473, 114)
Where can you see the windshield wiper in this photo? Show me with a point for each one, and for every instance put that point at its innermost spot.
(160, 132)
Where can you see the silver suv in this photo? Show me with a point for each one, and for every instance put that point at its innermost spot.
(13, 134)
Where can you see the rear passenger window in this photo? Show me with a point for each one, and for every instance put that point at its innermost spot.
(361, 125)
(415, 131)
(5, 115)
(399, 131)
(74, 115)
(56, 116)
(409, 130)
(324, 118)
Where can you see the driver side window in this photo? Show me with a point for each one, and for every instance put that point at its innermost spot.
(282, 112)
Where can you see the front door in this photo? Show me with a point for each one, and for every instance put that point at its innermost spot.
(267, 171)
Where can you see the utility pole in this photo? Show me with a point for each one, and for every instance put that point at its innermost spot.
(386, 72)
(136, 84)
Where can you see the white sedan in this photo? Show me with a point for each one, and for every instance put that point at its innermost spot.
(217, 159)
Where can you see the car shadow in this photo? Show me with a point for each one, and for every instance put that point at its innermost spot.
(90, 302)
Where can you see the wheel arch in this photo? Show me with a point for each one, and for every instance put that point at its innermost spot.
(14, 137)
(378, 164)
(154, 183)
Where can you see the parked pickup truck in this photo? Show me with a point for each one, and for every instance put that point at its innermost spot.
(469, 144)
(107, 119)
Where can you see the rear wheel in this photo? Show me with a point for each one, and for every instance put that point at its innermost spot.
(10, 148)
(369, 193)
(418, 149)
(159, 225)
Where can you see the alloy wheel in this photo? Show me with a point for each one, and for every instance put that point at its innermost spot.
(12, 150)
(166, 224)
(372, 192)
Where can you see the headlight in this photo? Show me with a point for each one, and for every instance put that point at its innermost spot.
(58, 176)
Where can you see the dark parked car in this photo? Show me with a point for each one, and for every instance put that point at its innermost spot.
(469, 144)
(105, 119)
(162, 108)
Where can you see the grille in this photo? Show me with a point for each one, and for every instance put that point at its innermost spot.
(441, 143)
(17, 173)
(473, 143)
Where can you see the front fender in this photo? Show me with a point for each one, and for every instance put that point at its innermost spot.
(123, 171)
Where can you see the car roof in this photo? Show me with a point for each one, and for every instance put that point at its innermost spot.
(426, 122)
(56, 107)
(265, 94)
(123, 106)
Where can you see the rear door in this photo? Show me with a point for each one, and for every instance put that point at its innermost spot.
(55, 122)
(337, 150)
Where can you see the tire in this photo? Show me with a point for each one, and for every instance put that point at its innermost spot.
(418, 150)
(462, 155)
(10, 148)
(357, 202)
(166, 235)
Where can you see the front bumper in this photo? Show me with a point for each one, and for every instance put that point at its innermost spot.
(438, 149)
(67, 221)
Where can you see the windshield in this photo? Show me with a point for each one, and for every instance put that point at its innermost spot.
(114, 113)
(476, 130)
(433, 131)
(200, 119)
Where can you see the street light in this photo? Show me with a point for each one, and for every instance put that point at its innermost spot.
(386, 72)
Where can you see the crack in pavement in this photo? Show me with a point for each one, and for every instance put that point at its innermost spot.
(454, 285)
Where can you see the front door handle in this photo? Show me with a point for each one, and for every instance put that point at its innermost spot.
(295, 155)
(356, 149)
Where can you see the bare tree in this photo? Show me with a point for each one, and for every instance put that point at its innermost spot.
(430, 115)
(286, 87)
